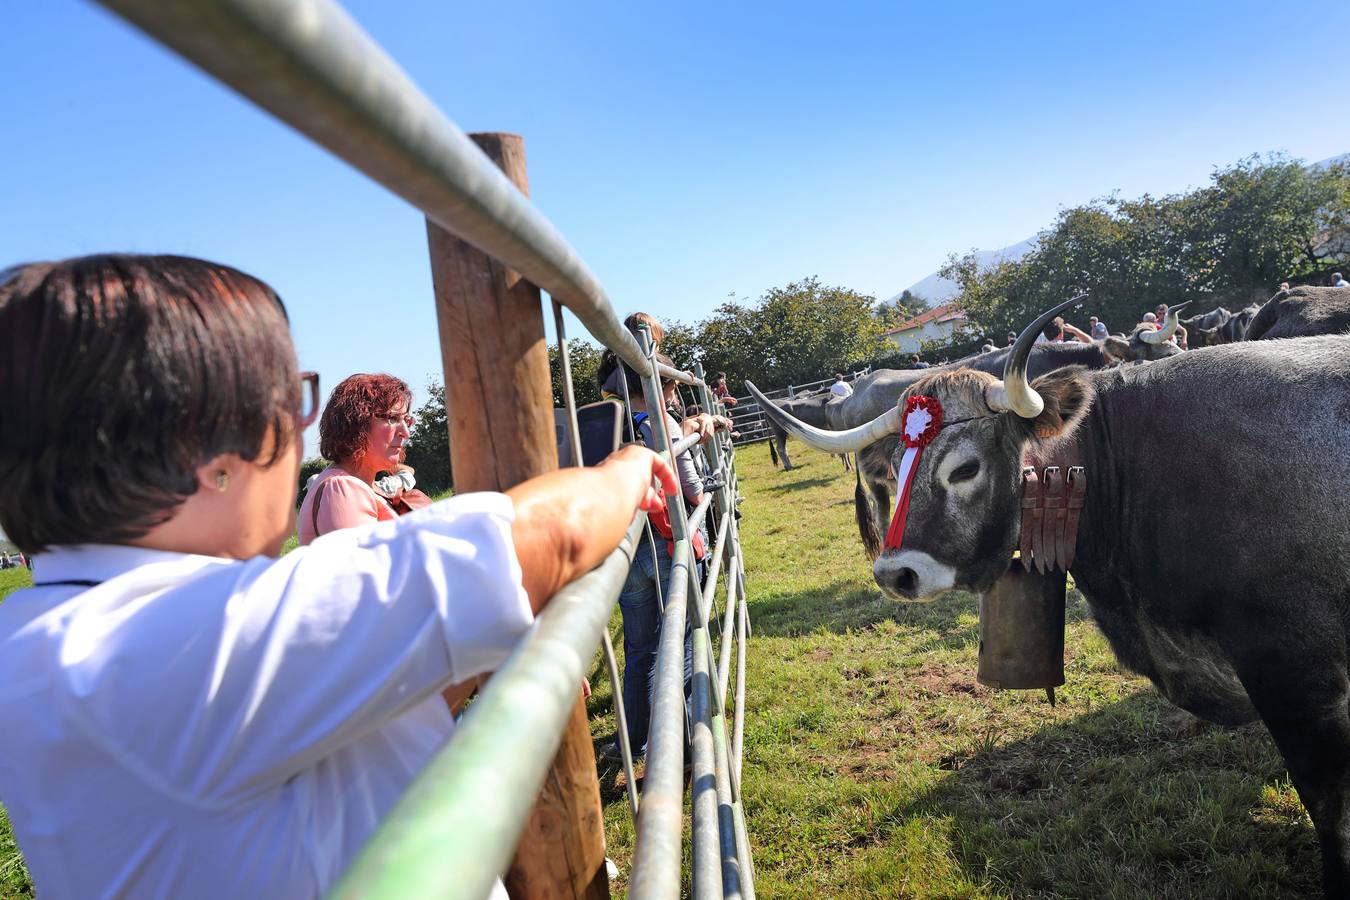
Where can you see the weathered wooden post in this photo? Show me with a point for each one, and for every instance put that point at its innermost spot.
(499, 402)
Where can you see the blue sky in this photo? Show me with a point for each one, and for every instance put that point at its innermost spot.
(689, 151)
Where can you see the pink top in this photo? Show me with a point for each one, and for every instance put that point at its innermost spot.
(347, 502)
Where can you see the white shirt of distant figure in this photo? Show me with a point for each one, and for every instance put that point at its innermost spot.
(277, 710)
(841, 389)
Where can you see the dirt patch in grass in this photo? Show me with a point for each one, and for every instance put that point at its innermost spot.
(939, 679)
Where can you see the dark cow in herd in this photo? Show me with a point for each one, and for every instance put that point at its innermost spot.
(1214, 548)
(1300, 312)
(1219, 326)
(808, 408)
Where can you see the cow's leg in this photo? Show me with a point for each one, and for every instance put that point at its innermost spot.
(881, 504)
(867, 523)
(872, 496)
(782, 451)
(1298, 682)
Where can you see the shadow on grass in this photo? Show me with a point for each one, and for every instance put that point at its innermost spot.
(843, 606)
(801, 485)
(1137, 799)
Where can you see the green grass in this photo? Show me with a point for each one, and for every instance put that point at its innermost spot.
(876, 766)
(12, 580)
(14, 880)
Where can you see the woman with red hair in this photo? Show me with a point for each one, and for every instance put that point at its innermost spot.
(363, 430)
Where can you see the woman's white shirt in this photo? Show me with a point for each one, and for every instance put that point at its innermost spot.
(200, 727)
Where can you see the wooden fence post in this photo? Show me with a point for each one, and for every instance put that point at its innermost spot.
(499, 402)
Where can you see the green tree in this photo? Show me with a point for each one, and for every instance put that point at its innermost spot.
(308, 469)
(727, 342)
(428, 447)
(890, 313)
(794, 334)
(1264, 221)
(1258, 222)
(583, 359)
(682, 344)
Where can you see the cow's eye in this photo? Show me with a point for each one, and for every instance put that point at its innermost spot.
(964, 472)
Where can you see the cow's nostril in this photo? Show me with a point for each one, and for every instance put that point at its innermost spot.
(907, 581)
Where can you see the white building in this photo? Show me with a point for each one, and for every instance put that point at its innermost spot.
(938, 323)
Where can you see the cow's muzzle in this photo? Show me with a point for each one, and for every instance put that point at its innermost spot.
(912, 575)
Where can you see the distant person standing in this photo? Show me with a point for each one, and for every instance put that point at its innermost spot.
(1059, 331)
(1284, 286)
(1097, 329)
(1338, 280)
(720, 390)
(840, 388)
(1012, 339)
(918, 363)
(1151, 319)
(1180, 337)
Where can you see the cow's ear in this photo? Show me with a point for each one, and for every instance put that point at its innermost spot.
(1115, 349)
(1067, 395)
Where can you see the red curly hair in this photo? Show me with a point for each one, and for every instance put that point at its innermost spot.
(352, 406)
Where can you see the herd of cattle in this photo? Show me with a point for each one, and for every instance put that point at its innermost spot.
(1214, 549)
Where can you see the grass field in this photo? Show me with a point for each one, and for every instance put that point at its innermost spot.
(14, 880)
(875, 765)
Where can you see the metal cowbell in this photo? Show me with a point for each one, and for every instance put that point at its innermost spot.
(1022, 631)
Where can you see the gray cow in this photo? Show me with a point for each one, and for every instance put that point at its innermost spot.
(809, 408)
(875, 393)
(1302, 312)
(1228, 329)
(1214, 544)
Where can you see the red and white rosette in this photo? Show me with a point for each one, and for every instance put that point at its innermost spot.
(919, 425)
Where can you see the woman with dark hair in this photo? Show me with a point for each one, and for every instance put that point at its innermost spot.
(363, 429)
(187, 715)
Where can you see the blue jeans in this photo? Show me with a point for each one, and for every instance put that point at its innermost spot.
(642, 638)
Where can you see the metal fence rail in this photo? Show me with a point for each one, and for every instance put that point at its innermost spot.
(434, 847)
(309, 64)
(452, 834)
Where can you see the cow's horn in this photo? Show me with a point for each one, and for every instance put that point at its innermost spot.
(1169, 327)
(850, 441)
(1014, 393)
